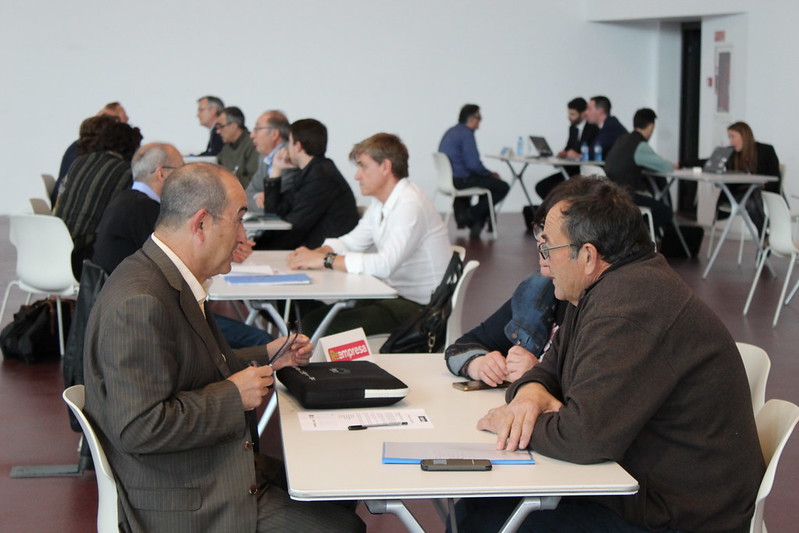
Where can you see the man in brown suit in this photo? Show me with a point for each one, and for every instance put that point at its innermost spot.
(171, 402)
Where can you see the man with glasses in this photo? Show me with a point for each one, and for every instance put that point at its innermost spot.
(642, 373)
(468, 171)
(172, 404)
(270, 134)
(208, 110)
(238, 155)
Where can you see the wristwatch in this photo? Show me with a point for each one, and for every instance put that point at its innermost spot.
(330, 257)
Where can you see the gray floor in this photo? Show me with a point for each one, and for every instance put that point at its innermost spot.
(34, 428)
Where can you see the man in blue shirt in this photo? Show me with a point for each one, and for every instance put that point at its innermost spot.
(468, 171)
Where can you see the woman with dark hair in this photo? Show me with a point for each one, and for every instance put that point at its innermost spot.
(93, 180)
(750, 157)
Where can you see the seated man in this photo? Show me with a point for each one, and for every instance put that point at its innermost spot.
(400, 239)
(172, 404)
(269, 135)
(468, 171)
(319, 204)
(130, 219)
(238, 154)
(208, 110)
(642, 373)
(630, 157)
(598, 114)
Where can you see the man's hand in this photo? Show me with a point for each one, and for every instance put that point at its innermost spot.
(298, 354)
(489, 368)
(253, 384)
(305, 259)
(259, 200)
(496, 175)
(280, 162)
(513, 423)
(518, 362)
(572, 154)
(243, 251)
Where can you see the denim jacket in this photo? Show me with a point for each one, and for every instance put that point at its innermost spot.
(526, 319)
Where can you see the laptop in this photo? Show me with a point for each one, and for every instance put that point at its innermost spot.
(718, 160)
(541, 146)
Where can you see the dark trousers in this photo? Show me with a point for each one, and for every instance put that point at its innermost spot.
(479, 212)
(661, 213)
(573, 514)
(374, 316)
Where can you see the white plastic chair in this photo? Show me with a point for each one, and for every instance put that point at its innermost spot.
(780, 243)
(49, 185)
(758, 365)
(40, 206)
(44, 250)
(647, 212)
(446, 187)
(107, 520)
(454, 322)
(775, 423)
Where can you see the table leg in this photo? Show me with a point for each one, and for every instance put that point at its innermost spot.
(518, 177)
(527, 506)
(736, 208)
(320, 330)
(397, 508)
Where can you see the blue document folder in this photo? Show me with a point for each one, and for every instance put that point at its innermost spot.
(414, 452)
(263, 279)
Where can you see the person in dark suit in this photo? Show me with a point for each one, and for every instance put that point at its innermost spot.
(319, 204)
(610, 129)
(172, 403)
(580, 132)
(750, 157)
(208, 111)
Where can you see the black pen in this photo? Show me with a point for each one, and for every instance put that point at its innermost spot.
(367, 426)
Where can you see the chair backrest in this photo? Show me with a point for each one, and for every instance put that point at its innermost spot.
(780, 239)
(443, 173)
(49, 184)
(40, 206)
(461, 251)
(44, 252)
(107, 521)
(454, 322)
(775, 423)
(757, 365)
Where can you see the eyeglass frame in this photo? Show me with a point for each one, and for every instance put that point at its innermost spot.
(544, 250)
(219, 126)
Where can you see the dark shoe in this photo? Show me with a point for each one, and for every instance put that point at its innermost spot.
(461, 211)
(475, 230)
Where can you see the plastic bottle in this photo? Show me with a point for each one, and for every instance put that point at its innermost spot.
(584, 152)
(520, 146)
(597, 152)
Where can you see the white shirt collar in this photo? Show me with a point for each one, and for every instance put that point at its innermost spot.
(198, 289)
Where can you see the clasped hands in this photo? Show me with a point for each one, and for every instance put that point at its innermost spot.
(254, 381)
(492, 368)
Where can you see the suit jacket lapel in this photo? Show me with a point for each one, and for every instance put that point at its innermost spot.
(210, 335)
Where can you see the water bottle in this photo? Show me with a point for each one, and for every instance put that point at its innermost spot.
(597, 152)
(584, 152)
(520, 146)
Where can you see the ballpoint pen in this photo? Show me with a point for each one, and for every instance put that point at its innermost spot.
(367, 426)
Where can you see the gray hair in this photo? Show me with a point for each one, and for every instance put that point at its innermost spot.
(277, 119)
(147, 159)
(214, 102)
(190, 188)
(234, 115)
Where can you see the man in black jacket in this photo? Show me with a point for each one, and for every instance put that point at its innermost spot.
(320, 204)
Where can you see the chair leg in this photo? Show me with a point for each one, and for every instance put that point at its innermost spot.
(759, 270)
(712, 232)
(741, 245)
(492, 215)
(793, 292)
(60, 325)
(5, 300)
(784, 290)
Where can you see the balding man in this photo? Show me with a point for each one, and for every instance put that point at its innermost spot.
(238, 155)
(269, 135)
(172, 404)
(130, 217)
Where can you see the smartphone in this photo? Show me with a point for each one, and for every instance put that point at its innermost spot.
(478, 385)
(455, 465)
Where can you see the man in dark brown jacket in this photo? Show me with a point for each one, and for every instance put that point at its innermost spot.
(641, 372)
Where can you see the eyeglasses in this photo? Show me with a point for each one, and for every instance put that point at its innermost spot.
(544, 250)
(219, 126)
(290, 338)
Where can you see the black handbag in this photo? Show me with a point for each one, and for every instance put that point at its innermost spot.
(32, 337)
(427, 331)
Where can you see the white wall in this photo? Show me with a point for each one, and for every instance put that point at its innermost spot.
(360, 66)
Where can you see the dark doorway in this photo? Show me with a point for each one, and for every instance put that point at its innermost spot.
(689, 112)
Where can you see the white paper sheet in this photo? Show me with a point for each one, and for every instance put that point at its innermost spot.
(343, 419)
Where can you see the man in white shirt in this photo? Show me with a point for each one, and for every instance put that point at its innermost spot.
(400, 239)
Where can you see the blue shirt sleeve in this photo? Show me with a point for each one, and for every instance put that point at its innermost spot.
(460, 146)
